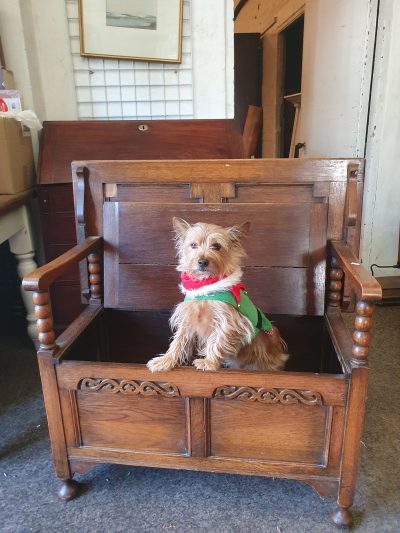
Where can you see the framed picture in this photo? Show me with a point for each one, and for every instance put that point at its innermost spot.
(148, 30)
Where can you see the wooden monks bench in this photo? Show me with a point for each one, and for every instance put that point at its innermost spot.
(105, 406)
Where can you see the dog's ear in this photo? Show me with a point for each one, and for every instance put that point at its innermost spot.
(180, 226)
(236, 233)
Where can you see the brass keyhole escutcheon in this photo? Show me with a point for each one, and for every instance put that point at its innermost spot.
(143, 127)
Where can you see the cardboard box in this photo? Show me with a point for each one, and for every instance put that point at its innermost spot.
(10, 101)
(16, 158)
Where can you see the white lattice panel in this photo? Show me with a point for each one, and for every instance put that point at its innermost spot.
(123, 89)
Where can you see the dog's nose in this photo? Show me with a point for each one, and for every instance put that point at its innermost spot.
(202, 263)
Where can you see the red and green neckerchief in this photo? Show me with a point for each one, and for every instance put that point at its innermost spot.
(236, 296)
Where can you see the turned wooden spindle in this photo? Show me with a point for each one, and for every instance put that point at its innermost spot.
(361, 334)
(44, 321)
(335, 284)
(94, 268)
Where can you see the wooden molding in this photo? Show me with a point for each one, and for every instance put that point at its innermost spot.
(211, 193)
(125, 386)
(283, 396)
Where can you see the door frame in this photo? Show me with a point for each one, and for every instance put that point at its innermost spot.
(272, 73)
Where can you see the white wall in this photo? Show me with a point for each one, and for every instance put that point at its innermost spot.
(35, 42)
(380, 231)
(337, 69)
(11, 33)
(337, 59)
(212, 31)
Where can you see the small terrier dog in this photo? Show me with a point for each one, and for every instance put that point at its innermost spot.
(217, 320)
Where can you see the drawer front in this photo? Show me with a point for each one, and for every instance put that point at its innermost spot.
(58, 229)
(57, 216)
(56, 199)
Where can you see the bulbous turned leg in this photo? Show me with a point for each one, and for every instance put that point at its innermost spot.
(68, 490)
(342, 517)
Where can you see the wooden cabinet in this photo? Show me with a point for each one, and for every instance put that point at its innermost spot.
(63, 142)
(58, 232)
(248, 73)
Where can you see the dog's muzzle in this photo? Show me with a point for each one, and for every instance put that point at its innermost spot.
(203, 263)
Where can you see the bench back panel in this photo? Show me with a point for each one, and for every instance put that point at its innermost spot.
(293, 213)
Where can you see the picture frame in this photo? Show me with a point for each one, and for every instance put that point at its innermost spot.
(142, 30)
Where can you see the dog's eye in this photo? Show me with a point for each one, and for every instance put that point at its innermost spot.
(193, 245)
(216, 247)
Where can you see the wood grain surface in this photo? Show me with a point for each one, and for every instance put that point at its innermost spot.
(105, 406)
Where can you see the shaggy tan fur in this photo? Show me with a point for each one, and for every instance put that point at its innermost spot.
(214, 330)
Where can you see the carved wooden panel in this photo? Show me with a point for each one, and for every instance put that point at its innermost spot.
(211, 193)
(268, 396)
(126, 386)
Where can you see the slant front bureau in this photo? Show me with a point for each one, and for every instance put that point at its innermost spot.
(63, 141)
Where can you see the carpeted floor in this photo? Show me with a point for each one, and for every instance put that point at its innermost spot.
(154, 500)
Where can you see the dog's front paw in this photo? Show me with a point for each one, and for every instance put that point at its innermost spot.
(158, 364)
(203, 364)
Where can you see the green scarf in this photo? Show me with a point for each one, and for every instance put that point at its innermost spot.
(245, 306)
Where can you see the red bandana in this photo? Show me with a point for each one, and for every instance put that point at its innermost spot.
(191, 283)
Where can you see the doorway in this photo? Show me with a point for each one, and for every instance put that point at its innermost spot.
(292, 56)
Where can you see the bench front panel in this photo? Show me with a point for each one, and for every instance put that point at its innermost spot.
(226, 421)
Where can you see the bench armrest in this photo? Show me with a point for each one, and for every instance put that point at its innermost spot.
(365, 286)
(41, 278)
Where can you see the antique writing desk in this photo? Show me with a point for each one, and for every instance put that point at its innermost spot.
(65, 141)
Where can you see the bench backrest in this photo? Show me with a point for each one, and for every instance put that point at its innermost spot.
(294, 205)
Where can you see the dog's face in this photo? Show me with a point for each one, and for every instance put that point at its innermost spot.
(207, 250)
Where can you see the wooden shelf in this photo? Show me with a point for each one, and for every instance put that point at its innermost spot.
(390, 287)
(294, 99)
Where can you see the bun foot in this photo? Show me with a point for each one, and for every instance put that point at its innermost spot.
(68, 490)
(342, 517)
